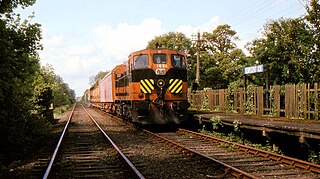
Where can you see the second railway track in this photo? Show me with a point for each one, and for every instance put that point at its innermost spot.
(258, 163)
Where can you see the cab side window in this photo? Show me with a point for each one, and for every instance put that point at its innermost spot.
(140, 61)
(177, 61)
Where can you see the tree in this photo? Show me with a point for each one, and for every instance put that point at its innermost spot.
(26, 90)
(285, 47)
(221, 40)
(172, 40)
(94, 80)
(43, 95)
(61, 93)
(313, 17)
(20, 129)
(6, 6)
(221, 61)
(177, 41)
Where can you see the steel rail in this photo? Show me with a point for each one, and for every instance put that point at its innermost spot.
(228, 169)
(115, 146)
(273, 156)
(53, 157)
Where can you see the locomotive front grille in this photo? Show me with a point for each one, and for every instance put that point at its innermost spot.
(175, 86)
(147, 85)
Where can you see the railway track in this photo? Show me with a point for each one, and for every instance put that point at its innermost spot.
(247, 161)
(86, 153)
(83, 152)
(156, 160)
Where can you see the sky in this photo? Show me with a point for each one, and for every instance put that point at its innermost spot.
(81, 37)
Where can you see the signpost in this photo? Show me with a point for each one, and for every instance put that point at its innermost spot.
(256, 69)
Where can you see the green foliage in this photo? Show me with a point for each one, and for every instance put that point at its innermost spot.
(42, 99)
(6, 6)
(221, 61)
(230, 94)
(314, 157)
(200, 119)
(60, 110)
(94, 80)
(62, 94)
(172, 40)
(216, 122)
(249, 102)
(313, 18)
(26, 90)
(286, 46)
(273, 106)
(233, 137)
(236, 126)
(85, 96)
(21, 126)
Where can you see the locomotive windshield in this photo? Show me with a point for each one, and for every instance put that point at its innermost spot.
(178, 61)
(159, 58)
(141, 61)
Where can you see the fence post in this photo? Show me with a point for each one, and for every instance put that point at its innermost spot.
(277, 100)
(288, 101)
(260, 100)
(316, 101)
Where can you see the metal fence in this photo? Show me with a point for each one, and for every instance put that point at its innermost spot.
(290, 101)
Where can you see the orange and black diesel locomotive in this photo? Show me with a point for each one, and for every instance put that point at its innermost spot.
(150, 88)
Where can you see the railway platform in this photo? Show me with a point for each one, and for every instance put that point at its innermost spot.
(294, 127)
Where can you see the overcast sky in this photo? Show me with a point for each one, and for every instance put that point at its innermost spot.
(82, 37)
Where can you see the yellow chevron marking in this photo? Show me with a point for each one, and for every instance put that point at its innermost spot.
(142, 89)
(149, 84)
(170, 81)
(174, 89)
(173, 84)
(145, 86)
(179, 90)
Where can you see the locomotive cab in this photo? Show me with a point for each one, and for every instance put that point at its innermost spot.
(159, 79)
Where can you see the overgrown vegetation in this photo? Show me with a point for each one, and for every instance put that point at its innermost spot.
(314, 157)
(27, 91)
(216, 122)
(235, 136)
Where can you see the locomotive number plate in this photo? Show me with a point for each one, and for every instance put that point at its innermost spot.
(160, 71)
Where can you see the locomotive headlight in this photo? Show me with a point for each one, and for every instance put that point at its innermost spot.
(161, 83)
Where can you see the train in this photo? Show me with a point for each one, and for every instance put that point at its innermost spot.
(149, 88)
